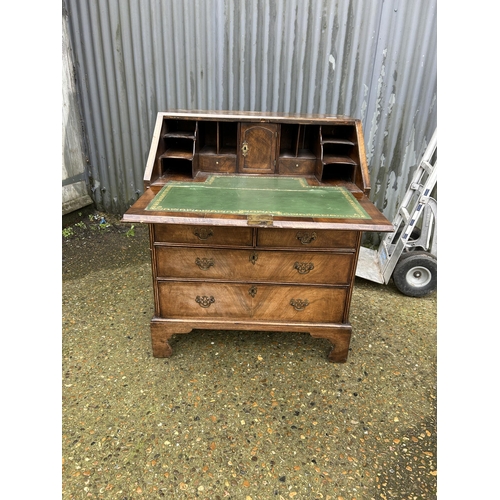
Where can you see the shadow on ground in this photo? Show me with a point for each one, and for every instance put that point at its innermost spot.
(236, 415)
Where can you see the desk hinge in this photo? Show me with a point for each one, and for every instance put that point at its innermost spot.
(260, 220)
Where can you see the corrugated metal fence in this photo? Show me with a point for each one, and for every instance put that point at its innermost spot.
(368, 59)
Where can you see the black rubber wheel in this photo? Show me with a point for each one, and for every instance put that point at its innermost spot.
(415, 274)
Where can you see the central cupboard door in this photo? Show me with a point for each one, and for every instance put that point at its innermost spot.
(258, 148)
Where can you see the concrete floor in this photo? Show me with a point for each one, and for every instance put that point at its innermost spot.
(237, 415)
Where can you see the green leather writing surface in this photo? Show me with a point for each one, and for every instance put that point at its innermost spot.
(247, 195)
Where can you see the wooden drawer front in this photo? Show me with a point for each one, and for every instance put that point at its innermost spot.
(299, 303)
(297, 166)
(247, 301)
(254, 265)
(204, 300)
(306, 238)
(217, 163)
(203, 235)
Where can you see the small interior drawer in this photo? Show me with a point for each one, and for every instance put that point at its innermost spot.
(296, 166)
(217, 163)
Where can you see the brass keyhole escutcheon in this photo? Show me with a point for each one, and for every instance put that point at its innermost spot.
(244, 148)
(253, 258)
(253, 291)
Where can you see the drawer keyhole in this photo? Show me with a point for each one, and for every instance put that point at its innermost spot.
(253, 291)
(253, 258)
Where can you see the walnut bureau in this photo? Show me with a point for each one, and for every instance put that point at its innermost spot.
(255, 223)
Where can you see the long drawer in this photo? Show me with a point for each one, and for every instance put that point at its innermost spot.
(294, 303)
(254, 265)
(306, 238)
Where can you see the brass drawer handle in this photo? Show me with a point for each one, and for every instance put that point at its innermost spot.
(253, 258)
(203, 233)
(305, 237)
(205, 301)
(204, 263)
(253, 291)
(299, 304)
(303, 267)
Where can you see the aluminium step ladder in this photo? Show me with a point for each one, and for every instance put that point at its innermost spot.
(409, 254)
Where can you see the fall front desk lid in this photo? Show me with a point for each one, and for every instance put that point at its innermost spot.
(248, 195)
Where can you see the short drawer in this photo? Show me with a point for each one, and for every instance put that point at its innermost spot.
(217, 163)
(210, 235)
(204, 300)
(306, 238)
(289, 303)
(297, 166)
(299, 303)
(254, 265)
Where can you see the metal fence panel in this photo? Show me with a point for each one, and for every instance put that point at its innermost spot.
(371, 60)
(74, 186)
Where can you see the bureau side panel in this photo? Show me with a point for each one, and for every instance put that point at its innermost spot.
(357, 235)
(154, 270)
